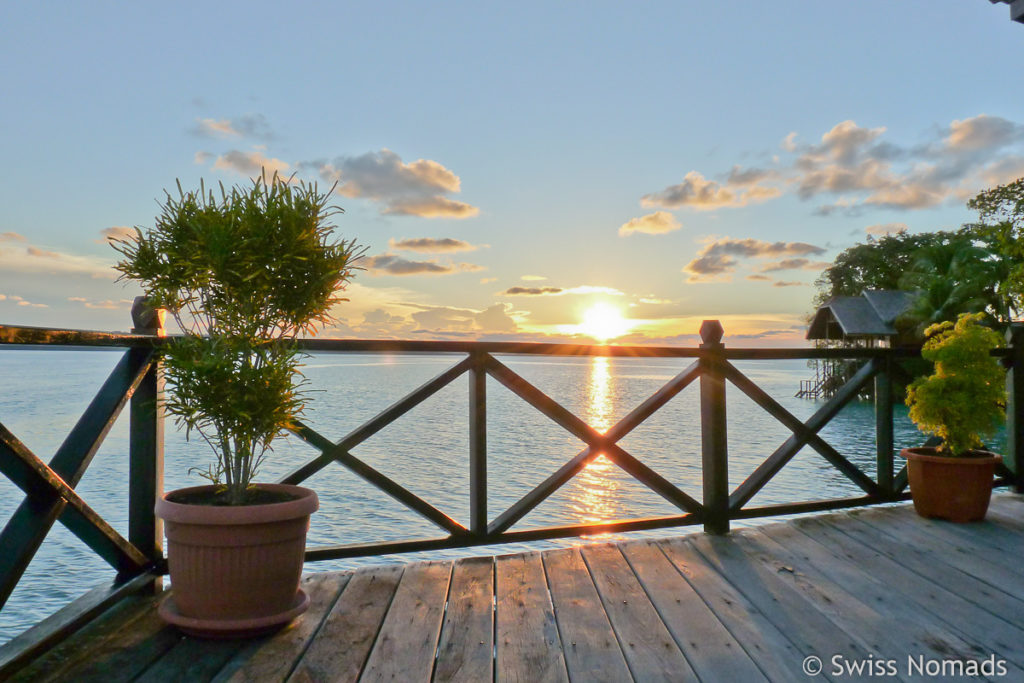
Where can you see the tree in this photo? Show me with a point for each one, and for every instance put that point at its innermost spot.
(1001, 212)
(952, 277)
(875, 264)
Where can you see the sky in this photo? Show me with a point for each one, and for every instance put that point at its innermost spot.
(586, 171)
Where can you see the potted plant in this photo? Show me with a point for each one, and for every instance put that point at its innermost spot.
(963, 400)
(243, 275)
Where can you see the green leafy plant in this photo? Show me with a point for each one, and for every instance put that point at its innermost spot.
(965, 398)
(243, 275)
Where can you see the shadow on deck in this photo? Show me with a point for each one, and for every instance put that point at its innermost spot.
(909, 597)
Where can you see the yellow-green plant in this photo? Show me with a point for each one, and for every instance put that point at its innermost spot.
(965, 398)
(243, 275)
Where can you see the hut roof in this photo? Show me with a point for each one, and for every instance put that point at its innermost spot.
(869, 315)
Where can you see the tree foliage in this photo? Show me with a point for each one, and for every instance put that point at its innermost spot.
(874, 264)
(1001, 214)
(953, 276)
(243, 275)
(964, 399)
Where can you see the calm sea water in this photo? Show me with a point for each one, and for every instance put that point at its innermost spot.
(45, 391)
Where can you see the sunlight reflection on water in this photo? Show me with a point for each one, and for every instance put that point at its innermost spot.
(594, 491)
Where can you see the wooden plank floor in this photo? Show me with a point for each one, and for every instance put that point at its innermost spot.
(878, 586)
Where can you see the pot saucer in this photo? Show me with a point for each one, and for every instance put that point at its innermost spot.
(231, 628)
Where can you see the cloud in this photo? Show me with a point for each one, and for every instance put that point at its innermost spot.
(383, 174)
(656, 223)
(982, 132)
(533, 291)
(431, 245)
(844, 144)
(33, 259)
(486, 280)
(251, 164)
(417, 188)
(439, 320)
(912, 195)
(108, 304)
(885, 228)
(116, 233)
(11, 237)
(532, 278)
(495, 319)
(379, 316)
(781, 283)
(694, 191)
(29, 304)
(392, 264)
(1002, 171)
(741, 176)
(719, 257)
(756, 276)
(852, 162)
(842, 162)
(854, 168)
(561, 291)
(431, 207)
(248, 125)
(740, 187)
(212, 128)
(202, 157)
(794, 264)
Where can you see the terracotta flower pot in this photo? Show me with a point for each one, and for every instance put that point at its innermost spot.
(235, 570)
(954, 488)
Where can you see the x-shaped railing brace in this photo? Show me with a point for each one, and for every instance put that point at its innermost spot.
(804, 433)
(50, 493)
(597, 443)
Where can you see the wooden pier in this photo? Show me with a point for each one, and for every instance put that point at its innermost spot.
(870, 585)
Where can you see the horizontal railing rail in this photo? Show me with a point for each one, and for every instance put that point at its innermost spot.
(50, 494)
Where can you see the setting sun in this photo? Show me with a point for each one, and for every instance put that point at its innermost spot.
(603, 321)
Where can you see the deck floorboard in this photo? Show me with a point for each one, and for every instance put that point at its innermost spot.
(869, 585)
(592, 651)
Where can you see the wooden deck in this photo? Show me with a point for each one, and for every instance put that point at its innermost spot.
(871, 585)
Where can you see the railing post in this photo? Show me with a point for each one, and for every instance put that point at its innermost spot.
(1015, 405)
(478, 444)
(884, 428)
(146, 443)
(714, 445)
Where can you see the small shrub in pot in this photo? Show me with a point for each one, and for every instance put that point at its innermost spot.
(961, 402)
(243, 272)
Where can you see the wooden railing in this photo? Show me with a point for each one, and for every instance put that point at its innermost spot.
(50, 487)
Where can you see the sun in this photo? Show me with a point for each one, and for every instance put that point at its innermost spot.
(603, 321)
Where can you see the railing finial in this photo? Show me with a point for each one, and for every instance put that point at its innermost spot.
(146, 319)
(711, 332)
